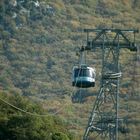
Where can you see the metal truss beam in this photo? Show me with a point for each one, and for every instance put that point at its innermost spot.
(97, 40)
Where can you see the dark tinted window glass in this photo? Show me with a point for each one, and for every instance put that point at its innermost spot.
(82, 73)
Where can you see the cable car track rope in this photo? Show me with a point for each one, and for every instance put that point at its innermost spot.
(30, 113)
(35, 114)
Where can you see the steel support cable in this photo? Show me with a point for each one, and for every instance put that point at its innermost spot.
(22, 110)
(34, 114)
(31, 113)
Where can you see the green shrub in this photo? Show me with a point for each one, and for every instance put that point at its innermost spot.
(59, 136)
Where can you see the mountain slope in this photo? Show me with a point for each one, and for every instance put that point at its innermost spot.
(37, 49)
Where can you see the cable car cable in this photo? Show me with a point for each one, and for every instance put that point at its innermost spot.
(30, 113)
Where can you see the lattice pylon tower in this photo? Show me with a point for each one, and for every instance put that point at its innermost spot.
(104, 121)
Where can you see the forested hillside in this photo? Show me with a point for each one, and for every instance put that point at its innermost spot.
(29, 124)
(38, 41)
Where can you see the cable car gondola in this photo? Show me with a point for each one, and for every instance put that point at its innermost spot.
(83, 76)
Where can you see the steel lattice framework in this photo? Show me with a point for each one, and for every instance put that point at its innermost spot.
(104, 120)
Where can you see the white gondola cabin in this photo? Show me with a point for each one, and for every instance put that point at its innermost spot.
(83, 76)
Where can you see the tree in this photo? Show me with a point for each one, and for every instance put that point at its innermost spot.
(16, 125)
(59, 136)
